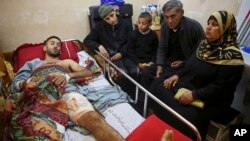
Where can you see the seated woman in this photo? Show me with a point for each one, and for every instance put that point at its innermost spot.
(46, 93)
(211, 76)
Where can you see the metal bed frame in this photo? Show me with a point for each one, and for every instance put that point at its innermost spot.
(108, 63)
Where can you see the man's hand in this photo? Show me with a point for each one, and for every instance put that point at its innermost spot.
(96, 71)
(171, 81)
(36, 79)
(159, 71)
(117, 56)
(59, 79)
(176, 64)
(103, 51)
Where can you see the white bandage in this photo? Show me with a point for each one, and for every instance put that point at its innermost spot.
(67, 77)
(77, 105)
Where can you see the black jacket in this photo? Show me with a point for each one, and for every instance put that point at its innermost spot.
(143, 48)
(190, 35)
(113, 38)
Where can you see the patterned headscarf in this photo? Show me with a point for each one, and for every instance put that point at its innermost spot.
(225, 50)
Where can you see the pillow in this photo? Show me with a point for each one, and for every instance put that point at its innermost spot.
(27, 52)
(84, 56)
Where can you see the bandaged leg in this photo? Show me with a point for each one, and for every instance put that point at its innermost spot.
(77, 105)
(82, 113)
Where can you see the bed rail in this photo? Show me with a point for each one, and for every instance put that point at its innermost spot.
(107, 65)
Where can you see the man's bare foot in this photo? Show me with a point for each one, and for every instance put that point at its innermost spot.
(167, 135)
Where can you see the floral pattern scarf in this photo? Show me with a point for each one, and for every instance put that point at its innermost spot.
(224, 51)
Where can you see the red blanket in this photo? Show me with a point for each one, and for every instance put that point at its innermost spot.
(152, 129)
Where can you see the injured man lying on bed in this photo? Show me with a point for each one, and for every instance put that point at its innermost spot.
(48, 92)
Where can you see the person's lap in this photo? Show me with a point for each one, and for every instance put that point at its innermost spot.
(199, 117)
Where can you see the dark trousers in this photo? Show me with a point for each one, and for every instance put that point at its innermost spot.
(148, 80)
(200, 118)
(130, 68)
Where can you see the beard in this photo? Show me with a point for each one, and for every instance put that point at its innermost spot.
(53, 54)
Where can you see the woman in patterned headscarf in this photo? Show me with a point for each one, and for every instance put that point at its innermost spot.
(224, 50)
(211, 76)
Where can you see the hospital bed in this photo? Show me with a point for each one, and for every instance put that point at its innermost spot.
(121, 116)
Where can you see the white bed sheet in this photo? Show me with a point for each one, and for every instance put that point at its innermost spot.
(121, 117)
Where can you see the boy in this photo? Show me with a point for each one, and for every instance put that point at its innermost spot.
(143, 42)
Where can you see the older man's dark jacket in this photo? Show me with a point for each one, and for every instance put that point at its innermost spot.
(190, 35)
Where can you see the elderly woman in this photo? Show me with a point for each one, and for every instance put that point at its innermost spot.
(210, 75)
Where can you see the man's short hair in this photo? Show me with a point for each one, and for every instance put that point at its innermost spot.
(104, 10)
(147, 16)
(51, 37)
(173, 4)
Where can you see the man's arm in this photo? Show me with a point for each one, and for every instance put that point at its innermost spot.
(124, 47)
(198, 35)
(23, 75)
(79, 71)
(131, 45)
(92, 40)
(161, 51)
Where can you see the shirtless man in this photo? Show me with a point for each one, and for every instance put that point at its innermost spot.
(81, 112)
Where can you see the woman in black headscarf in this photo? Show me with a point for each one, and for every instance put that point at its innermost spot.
(211, 76)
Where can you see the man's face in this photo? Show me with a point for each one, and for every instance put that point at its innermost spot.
(111, 18)
(173, 18)
(53, 47)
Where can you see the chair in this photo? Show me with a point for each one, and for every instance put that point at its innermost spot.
(125, 12)
(219, 127)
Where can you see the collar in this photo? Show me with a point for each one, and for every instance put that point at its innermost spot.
(144, 33)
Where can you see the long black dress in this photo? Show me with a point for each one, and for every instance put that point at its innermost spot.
(213, 84)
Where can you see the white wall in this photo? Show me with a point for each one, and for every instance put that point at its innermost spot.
(243, 11)
(32, 21)
(202, 9)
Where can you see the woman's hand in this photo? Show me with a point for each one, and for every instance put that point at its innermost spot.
(171, 81)
(186, 98)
